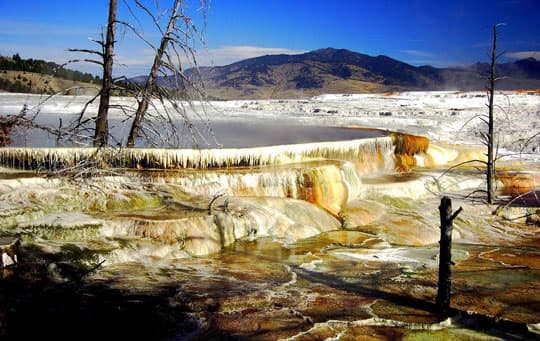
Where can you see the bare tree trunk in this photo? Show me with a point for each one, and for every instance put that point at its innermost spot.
(150, 82)
(445, 257)
(490, 174)
(102, 130)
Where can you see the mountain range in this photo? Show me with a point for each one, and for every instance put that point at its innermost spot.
(343, 71)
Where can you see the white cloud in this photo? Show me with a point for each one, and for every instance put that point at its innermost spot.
(54, 54)
(142, 57)
(523, 54)
(137, 61)
(130, 63)
(230, 54)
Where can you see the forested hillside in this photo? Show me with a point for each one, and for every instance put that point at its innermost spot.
(39, 76)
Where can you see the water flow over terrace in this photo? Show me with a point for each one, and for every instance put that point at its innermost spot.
(318, 232)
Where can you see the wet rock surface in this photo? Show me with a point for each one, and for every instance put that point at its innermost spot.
(324, 242)
(344, 284)
(303, 275)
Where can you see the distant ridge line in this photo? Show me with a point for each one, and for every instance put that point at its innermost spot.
(330, 70)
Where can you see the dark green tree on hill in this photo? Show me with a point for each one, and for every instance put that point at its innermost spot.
(169, 123)
(16, 63)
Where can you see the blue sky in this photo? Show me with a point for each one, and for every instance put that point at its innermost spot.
(439, 33)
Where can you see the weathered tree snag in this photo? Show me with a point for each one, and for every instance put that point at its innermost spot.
(491, 132)
(102, 131)
(445, 257)
(151, 80)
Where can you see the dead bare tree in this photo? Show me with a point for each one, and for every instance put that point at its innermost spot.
(79, 130)
(175, 49)
(167, 123)
(490, 138)
(106, 55)
(151, 80)
(495, 126)
(101, 133)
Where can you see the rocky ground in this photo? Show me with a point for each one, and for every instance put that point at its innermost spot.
(375, 279)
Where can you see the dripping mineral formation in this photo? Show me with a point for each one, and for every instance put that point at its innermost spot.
(322, 239)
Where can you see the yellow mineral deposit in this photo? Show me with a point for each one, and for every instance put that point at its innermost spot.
(331, 175)
(298, 239)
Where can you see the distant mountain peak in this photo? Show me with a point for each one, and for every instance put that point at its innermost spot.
(330, 70)
(330, 51)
